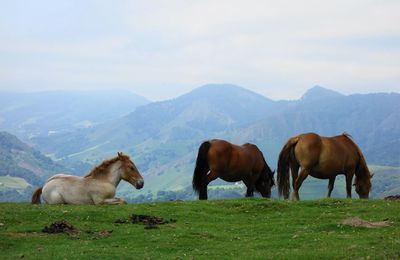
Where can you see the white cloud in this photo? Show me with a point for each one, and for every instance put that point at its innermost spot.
(278, 48)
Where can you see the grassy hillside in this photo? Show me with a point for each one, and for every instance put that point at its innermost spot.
(18, 159)
(243, 228)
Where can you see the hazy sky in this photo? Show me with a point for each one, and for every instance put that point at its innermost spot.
(161, 49)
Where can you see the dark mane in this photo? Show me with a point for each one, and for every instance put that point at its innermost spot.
(101, 169)
(347, 135)
(362, 170)
(268, 170)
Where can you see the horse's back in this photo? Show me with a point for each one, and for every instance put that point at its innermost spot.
(326, 155)
(219, 154)
(232, 162)
(256, 155)
(60, 175)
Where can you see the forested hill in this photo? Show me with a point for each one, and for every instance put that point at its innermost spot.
(176, 127)
(17, 159)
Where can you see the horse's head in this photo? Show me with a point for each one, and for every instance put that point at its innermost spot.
(363, 186)
(129, 171)
(266, 182)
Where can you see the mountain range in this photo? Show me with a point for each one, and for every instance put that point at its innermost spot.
(163, 137)
(44, 113)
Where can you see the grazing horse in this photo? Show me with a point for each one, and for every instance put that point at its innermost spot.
(322, 158)
(219, 158)
(98, 187)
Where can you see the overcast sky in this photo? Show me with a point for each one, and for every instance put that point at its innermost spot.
(161, 49)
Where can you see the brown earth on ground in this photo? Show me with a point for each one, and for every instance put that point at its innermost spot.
(61, 226)
(358, 222)
(393, 197)
(150, 222)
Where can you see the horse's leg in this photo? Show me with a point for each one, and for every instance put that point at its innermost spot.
(349, 179)
(250, 188)
(299, 180)
(330, 186)
(294, 169)
(203, 191)
(113, 201)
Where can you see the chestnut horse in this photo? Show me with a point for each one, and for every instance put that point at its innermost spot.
(98, 187)
(221, 159)
(322, 158)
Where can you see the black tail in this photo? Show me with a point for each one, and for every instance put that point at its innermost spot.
(201, 169)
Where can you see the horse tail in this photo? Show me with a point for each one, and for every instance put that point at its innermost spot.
(283, 167)
(36, 196)
(202, 167)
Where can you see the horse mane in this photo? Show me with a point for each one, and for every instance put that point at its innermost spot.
(348, 135)
(362, 163)
(267, 169)
(101, 169)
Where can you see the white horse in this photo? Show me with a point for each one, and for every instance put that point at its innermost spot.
(98, 187)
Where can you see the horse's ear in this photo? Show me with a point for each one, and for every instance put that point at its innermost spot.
(119, 154)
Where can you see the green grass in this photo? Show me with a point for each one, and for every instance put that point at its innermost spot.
(228, 229)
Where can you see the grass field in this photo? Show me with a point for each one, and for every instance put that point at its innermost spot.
(228, 229)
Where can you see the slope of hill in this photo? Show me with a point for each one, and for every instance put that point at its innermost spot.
(45, 113)
(22, 167)
(205, 112)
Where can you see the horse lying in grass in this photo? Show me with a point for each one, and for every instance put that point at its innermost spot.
(98, 187)
(221, 159)
(322, 158)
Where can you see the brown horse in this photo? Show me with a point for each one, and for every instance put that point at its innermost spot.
(322, 158)
(219, 158)
(98, 187)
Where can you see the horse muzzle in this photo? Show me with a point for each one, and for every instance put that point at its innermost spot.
(139, 184)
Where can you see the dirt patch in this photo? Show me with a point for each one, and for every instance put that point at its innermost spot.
(61, 226)
(358, 222)
(393, 197)
(150, 222)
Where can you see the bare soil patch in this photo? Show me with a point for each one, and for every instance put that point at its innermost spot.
(393, 197)
(61, 226)
(358, 222)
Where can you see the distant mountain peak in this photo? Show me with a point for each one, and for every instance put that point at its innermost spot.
(218, 87)
(318, 92)
(224, 90)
